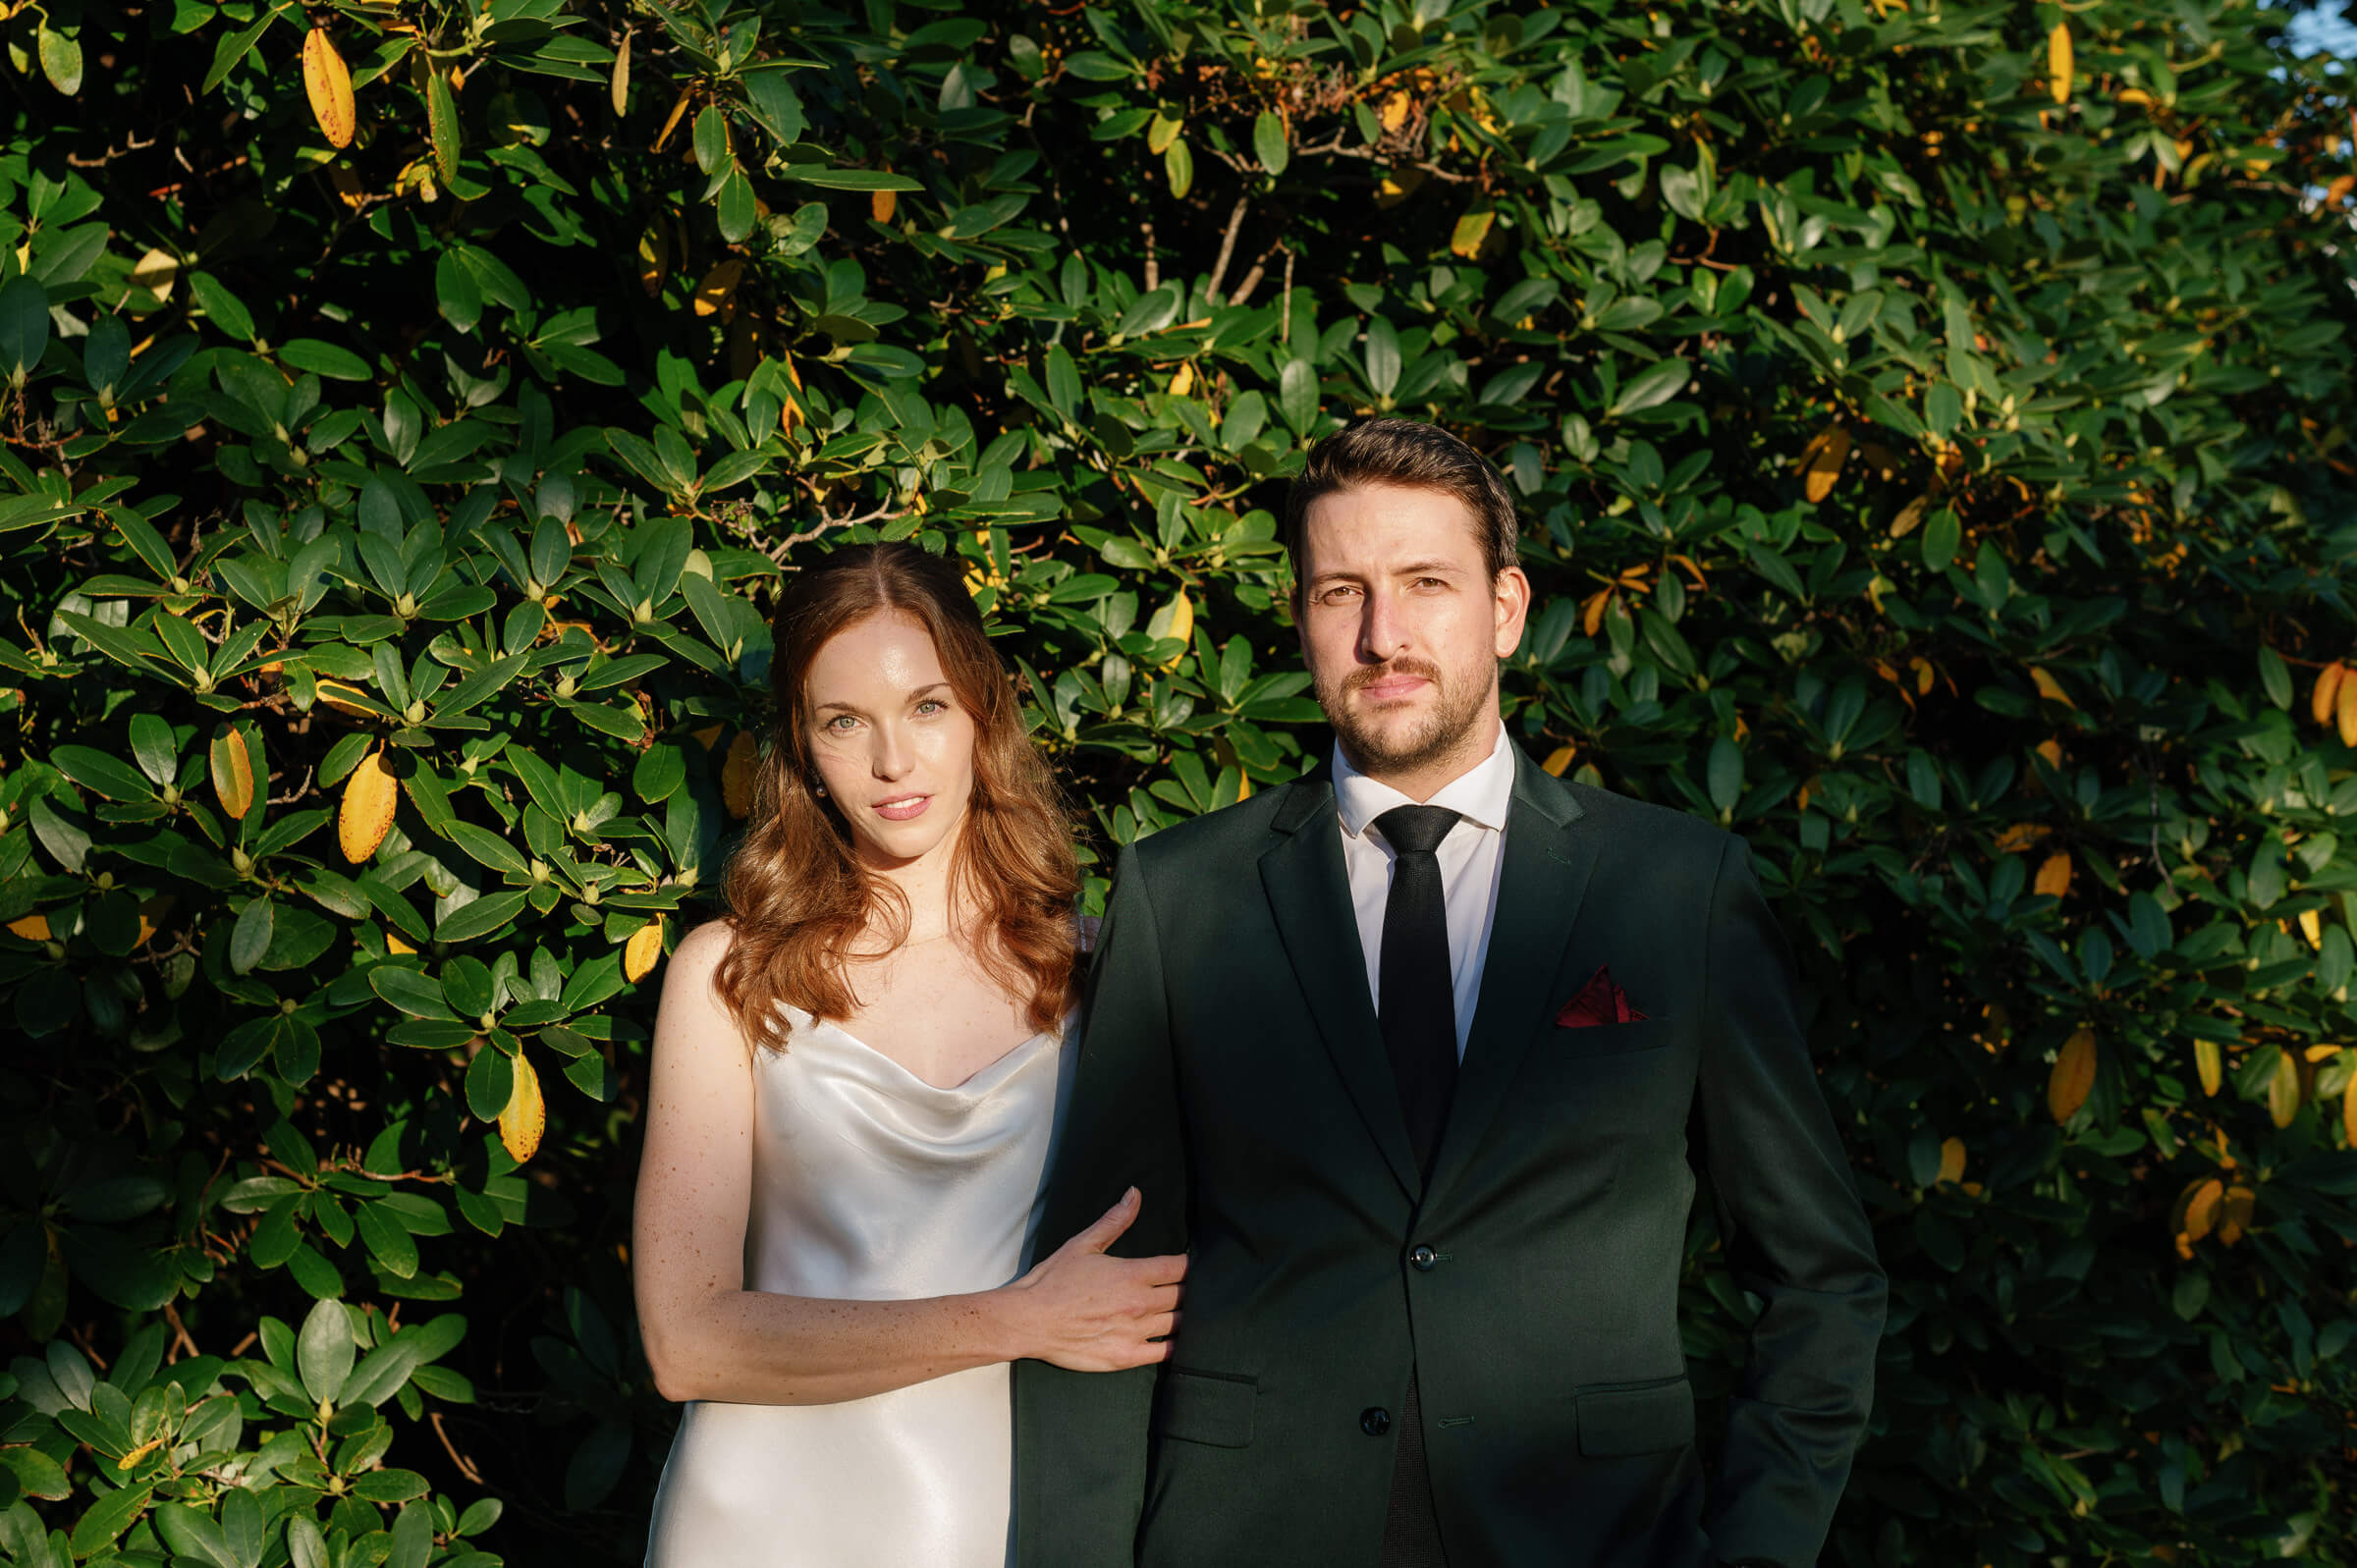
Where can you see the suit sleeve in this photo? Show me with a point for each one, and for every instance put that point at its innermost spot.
(1080, 1438)
(1795, 1235)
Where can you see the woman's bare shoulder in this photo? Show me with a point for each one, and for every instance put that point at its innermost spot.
(707, 943)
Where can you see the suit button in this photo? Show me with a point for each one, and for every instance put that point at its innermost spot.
(1374, 1420)
(1425, 1258)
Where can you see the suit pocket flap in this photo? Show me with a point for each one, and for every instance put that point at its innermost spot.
(1206, 1408)
(1636, 1420)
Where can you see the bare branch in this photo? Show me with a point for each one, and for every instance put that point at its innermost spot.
(1153, 268)
(1218, 268)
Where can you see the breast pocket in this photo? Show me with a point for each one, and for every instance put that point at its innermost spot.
(1205, 1407)
(1608, 1039)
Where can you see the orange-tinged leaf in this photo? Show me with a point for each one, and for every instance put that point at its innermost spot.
(2284, 1089)
(525, 1115)
(2235, 1214)
(2068, 1086)
(718, 285)
(1182, 381)
(686, 95)
(1951, 1159)
(2209, 1064)
(1591, 614)
(2054, 875)
(882, 204)
(339, 696)
(2320, 1052)
(2019, 837)
(2058, 62)
(2348, 1113)
(2344, 712)
(1393, 113)
(328, 83)
(2321, 696)
(2051, 752)
(2049, 688)
(232, 772)
(1821, 461)
(2200, 1207)
(640, 953)
(32, 928)
(708, 737)
(1174, 620)
(1557, 760)
(367, 812)
(2312, 926)
(736, 774)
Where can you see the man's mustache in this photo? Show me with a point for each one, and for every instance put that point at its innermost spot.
(1358, 678)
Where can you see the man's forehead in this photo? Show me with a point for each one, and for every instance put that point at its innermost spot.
(1391, 523)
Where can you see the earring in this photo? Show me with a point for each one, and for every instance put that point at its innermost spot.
(822, 792)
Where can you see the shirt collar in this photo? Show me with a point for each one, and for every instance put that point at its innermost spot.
(1481, 795)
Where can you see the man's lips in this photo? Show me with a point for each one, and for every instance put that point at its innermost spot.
(902, 809)
(1393, 686)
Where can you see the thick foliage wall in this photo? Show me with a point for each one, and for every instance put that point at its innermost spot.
(1934, 425)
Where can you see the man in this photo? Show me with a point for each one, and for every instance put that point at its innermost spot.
(1416, 1059)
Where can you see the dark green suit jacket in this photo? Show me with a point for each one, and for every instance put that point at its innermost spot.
(1229, 1064)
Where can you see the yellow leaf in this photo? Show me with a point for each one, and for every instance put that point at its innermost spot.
(736, 774)
(329, 86)
(2327, 688)
(2284, 1089)
(2073, 1076)
(1925, 674)
(2344, 712)
(718, 287)
(157, 269)
(1951, 1159)
(1591, 614)
(32, 928)
(882, 204)
(1173, 620)
(617, 85)
(654, 258)
(1471, 229)
(2348, 1113)
(2207, 1064)
(2049, 688)
(232, 772)
(1398, 185)
(640, 953)
(2019, 837)
(1821, 461)
(1904, 523)
(2136, 97)
(526, 1115)
(367, 812)
(2058, 62)
(1557, 760)
(394, 943)
(2235, 1214)
(2054, 875)
(1393, 113)
(2320, 1052)
(349, 188)
(2051, 752)
(1183, 381)
(2312, 926)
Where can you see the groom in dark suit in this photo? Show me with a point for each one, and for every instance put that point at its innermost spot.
(1418, 1057)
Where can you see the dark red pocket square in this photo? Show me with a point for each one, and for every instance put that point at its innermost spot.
(1600, 1000)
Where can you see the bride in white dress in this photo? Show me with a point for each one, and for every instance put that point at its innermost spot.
(855, 1092)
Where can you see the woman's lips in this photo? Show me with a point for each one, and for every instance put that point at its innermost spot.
(902, 808)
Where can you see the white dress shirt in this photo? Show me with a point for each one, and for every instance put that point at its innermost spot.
(1470, 860)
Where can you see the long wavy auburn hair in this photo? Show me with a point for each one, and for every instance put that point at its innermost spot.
(795, 887)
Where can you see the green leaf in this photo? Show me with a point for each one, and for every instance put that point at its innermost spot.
(61, 58)
(95, 770)
(236, 46)
(388, 1242)
(1297, 395)
(409, 991)
(849, 179)
(736, 209)
(24, 326)
(324, 1350)
(108, 1518)
(1943, 535)
(1656, 384)
(490, 1081)
(1269, 143)
(249, 938)
(480, 918)
(1178, 165)
(442, 123)
(225, 309)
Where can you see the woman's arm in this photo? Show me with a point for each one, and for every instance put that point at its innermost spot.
(708, 1337)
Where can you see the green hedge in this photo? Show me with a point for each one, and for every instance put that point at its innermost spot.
(1935, 445)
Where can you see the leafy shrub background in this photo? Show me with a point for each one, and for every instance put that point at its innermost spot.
(1938, 465)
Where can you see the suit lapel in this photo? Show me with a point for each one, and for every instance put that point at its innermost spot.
(1548, 862)
(1309, 894)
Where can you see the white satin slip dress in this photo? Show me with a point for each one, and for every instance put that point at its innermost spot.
(870, 1183)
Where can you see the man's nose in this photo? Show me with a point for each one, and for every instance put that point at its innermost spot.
(1382, 629)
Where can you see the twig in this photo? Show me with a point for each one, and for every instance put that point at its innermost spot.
(1153, 269)
(1259, 270)
(466, 1466)
(1284, 326)
(826, 525)
(1218, 268)
(179, 1332)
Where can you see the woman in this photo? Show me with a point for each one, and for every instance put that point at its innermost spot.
(855, 1090)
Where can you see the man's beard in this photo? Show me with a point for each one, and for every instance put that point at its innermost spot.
(1444, 727)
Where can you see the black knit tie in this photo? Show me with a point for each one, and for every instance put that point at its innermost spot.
(1418, 1004)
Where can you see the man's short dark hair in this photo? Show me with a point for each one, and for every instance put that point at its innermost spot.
(1417, 457)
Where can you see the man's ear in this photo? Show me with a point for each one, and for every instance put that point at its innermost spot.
(1512, 588)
